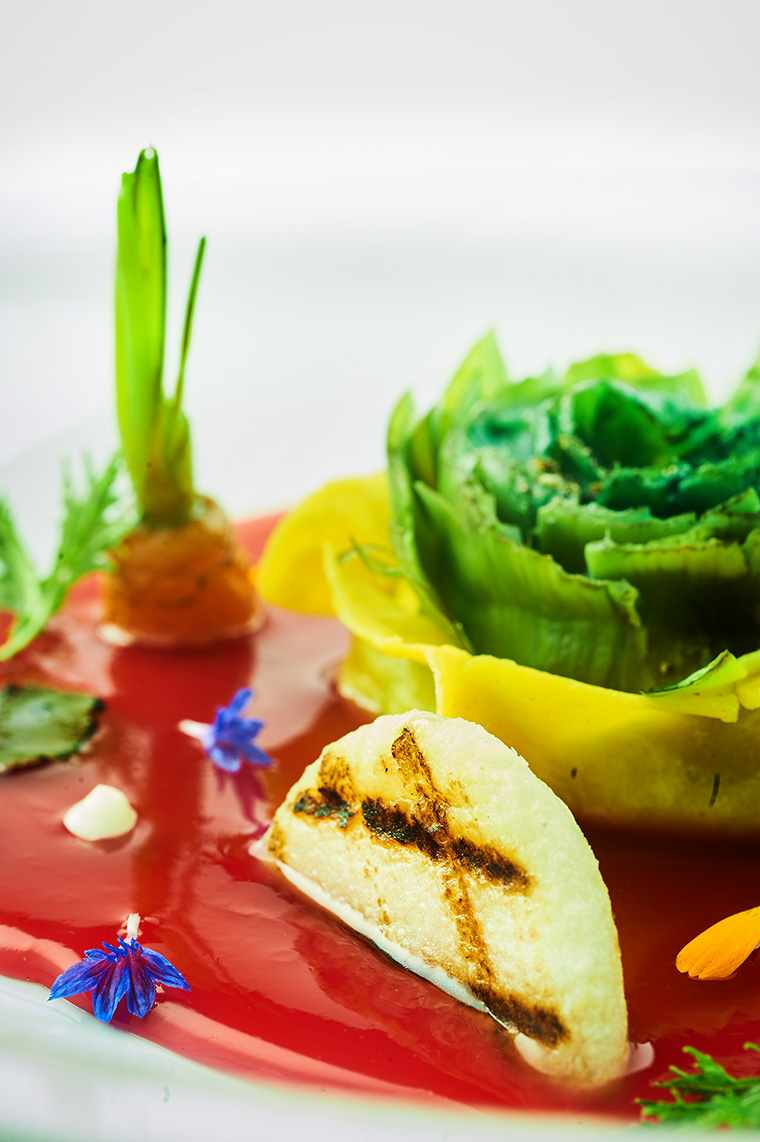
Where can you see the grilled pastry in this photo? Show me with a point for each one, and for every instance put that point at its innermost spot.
(433, 838)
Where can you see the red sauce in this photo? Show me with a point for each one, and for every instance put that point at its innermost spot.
(280, 990)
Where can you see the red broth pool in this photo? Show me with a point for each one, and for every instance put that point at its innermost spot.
(281, 991)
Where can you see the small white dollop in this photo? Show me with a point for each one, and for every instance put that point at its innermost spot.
(104, 813)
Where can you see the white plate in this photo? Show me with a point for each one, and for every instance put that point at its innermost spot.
(68, 1078)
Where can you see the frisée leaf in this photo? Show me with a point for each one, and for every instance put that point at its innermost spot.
(706, 1098)
(95, 518)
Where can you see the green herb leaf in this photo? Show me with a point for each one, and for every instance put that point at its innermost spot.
(94, 521)
(38, 724)
(707, 1098)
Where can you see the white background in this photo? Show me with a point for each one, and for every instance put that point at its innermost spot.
(379, 184)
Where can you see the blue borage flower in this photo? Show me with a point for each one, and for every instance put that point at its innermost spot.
(229, 740)
(128, 970)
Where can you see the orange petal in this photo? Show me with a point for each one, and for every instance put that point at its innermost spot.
(717, 952)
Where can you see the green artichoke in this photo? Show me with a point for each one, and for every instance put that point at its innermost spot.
(602, 525)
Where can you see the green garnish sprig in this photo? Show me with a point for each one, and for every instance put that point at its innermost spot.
(94, 520)
(707, 1097)
(154, 431)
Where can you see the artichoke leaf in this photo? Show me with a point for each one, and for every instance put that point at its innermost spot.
(700, 592)
(516, 603)
(482, 376)
(680, 487)
(626, 367)
(618, 424)
(631, 370)
(733, 520)
(744, 405)
(565, 526)
(408, 531)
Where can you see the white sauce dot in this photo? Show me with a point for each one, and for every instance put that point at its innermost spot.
(104, 813)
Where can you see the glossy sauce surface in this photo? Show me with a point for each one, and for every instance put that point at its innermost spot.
(280, 990)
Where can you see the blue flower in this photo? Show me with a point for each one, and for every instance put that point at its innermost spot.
(229, 740)
(126, 970)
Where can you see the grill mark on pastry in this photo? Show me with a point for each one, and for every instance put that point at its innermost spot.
(411, 761)
(430, 814)
(471, 942)
(423, 829)
(489, 862)
(427, 825)
(335, 774)
(335, 797)
(325, 802)
(537, 1022)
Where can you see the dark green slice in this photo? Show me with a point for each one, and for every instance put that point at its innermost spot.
(38, 724)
